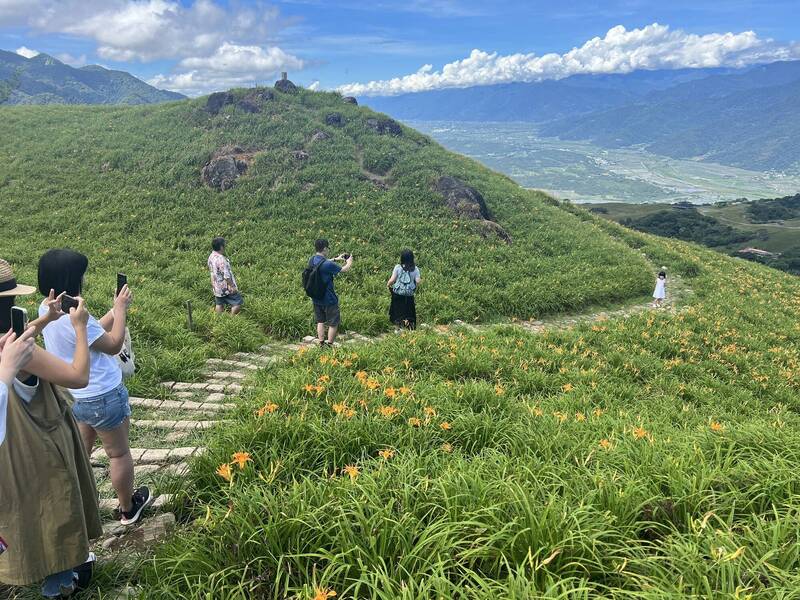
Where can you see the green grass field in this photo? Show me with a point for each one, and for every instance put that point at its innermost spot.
(122, 184)
(651, 457)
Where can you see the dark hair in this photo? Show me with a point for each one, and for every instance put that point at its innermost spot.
(6, 302)
(662, 274)
(321, 244)
(407, 260)
(218, 243)
(62, 271)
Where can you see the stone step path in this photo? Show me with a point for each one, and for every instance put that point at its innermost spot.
(174, 425)
(204, 407)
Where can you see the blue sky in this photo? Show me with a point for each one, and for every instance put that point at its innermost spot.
(196, 46)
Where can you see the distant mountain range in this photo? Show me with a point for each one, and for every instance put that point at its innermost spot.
(46, 80)
(748, 118)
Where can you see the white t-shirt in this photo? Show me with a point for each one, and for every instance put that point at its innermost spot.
(104, 372)
(25, 392)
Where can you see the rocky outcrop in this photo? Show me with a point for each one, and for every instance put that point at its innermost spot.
(225, 167)
(349, 100)
(385, 126)
(334, 119)
(285, 86)
(251, 103)
(319, 136)
(300, 155)
(467, 202)
(217, 100)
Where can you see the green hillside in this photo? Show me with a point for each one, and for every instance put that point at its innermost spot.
(627, 454)
(123, 185)
(767, 224)
(46, 80)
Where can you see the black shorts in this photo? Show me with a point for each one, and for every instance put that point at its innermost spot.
(327, 314)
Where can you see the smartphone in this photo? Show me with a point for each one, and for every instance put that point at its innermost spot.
(122, 281)
(68, 302)
(19, 320)
(346, 256)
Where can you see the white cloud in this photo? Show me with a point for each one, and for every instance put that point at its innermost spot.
(314, 86)
(27, 52)
(216, 43)
(231, 65)
(620, 51)
(73, 61)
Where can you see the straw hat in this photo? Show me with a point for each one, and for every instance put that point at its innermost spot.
(8, 284)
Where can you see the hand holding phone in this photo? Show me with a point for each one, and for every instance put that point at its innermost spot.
(68, 302)
(122, 281)
(19, 320)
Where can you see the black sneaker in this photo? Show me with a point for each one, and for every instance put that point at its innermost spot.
(84, 573)
(141, 500)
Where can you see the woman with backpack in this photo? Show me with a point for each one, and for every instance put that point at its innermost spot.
(403, 284)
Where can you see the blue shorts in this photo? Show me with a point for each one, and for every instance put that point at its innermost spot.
(105, 412)
(231, 300)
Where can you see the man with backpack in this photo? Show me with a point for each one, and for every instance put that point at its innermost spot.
(318, 284)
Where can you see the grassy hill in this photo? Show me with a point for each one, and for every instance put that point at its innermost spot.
(651, 457)
(597, 461)
(46, 80)
(767, 224)
(123, 185)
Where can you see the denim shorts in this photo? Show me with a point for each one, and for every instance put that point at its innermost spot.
(105, 412)
(231, 300)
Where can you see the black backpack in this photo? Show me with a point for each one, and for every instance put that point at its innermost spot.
(312, 281)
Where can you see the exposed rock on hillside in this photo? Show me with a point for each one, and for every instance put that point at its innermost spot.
(319, 136)
(350, 100)
(285, 86)
(300, 155)
(384, 126)
(217, 100)
(251, 103)
(334, 119)
(225, 167)
(468, 203)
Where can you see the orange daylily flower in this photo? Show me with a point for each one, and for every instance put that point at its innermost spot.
(323, 593)
(241, 459)
(309, 388)
(405, 391)
(388, 411)
(372, 384)
(567, 387)
(339, 407)
(605, 444)
(445, 425)
(716, 426)
(639, 433)
(414, 422)
(386, 453)
(579, 416)
(351, 470)
(390, 392)
(270, 407)
(324, 378)
(429, 411)
(447, 447)
(224, 471)
(361, 375)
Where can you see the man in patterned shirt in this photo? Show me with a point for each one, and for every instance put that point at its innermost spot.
(226, 292)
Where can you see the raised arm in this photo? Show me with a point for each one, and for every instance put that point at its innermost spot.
(348, 264)
(14, 355)
(51, 368)
(112, 341)
(392, 279)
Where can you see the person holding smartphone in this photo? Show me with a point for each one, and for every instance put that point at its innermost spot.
(326, 307)
(48, 497)
(101, 408)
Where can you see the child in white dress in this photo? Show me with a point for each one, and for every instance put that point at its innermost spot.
(661, 289)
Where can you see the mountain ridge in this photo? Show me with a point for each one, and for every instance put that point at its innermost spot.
(43, 79)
